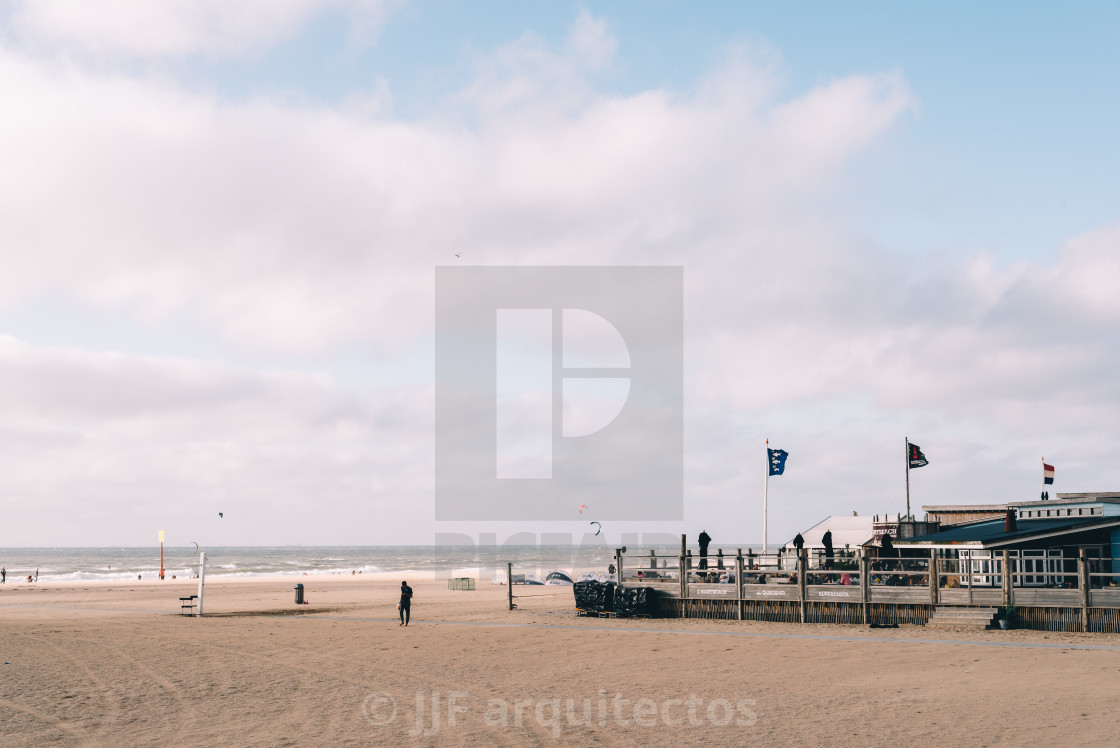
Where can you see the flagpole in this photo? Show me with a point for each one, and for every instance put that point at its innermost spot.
(907, 477)
(765, 497)
(1042, 495)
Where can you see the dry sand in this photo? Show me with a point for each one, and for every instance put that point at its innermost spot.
(112, 664)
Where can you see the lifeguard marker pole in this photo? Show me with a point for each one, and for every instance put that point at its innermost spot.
(201, 578)
(161, 555)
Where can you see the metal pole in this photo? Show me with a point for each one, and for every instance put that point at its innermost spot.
(765, 498)
(509, 582)
(907, 477)
(201, 578)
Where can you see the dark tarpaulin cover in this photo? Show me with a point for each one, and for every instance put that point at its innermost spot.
(594, 596)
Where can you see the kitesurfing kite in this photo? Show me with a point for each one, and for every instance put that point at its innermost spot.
(220, 515)
(582, 507)
(599, 529)
(195, 547)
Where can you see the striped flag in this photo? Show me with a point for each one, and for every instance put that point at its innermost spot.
(1047, 474)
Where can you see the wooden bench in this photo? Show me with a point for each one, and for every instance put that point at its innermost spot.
(187, 605)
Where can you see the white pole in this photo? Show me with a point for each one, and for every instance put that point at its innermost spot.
(907, 478)
(201, 578)
(765, 498)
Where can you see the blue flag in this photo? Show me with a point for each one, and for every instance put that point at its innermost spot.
(777, 460)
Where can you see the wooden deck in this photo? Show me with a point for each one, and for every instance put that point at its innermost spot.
(769, 590)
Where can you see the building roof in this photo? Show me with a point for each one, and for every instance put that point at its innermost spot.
(850, 531)
(990, 533)
(1106, 497)
(941, 508)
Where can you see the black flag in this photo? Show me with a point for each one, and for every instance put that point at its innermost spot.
(917, 459)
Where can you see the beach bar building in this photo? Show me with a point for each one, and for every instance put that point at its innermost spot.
(1050, 565)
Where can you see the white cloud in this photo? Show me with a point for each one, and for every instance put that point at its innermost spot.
(300, 231)
(172, 28)
(123, 441)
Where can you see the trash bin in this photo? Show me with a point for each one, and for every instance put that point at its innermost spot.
(299, 594)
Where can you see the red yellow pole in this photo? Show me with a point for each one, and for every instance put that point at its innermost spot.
(161, 555)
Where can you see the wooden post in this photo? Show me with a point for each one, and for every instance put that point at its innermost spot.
(1084, 583)
(683, 574)
(864, 583)
(933, 577)
(739, 583)
(1006, 577)
(969, 574)
(509, 583)
(618, 564)
(802, 566)
(201, 578)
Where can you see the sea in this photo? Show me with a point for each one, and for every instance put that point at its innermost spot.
(108, 564)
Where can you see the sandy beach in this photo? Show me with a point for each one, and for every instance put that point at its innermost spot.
(110, 663)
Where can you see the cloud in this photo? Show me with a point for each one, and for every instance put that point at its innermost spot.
(303, 232)
(175, 28)
(299, 230)
(122, 439)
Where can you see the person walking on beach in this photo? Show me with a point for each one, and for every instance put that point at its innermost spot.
(406, 603)
(36, 574)
(3, 575)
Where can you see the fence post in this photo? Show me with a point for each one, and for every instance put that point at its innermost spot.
(683, 575)
(618, 564)
(802, 566)
(933, 577)
(969, 576)
(864, 583)
(509, 583)
(739, 582)
(1006, 578)
(1084, 583)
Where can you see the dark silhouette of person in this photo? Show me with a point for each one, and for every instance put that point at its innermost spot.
(888, 545)
(705, 539)
(798, 544)
(406, 603)
(829, 554)
(719, 559)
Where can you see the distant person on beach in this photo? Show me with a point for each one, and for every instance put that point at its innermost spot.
(704, 539)
(36, 575)
(406, 603)
(3, 575)
(798, 542)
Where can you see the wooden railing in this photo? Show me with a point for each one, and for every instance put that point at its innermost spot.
(994, 579)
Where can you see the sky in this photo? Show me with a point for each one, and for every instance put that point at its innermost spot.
(220, 223)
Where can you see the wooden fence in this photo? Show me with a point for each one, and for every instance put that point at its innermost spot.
(857, 589)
